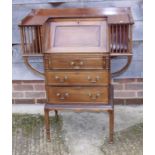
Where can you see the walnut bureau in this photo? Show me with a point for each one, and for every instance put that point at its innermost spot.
(77, 46)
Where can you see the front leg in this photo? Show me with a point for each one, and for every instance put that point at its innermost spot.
(111, 125)
(47, 124)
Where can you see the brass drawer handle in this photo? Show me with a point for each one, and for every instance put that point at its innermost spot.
(58, 94)
(62, 96)
(61, 79)
(81, 63)
(94, 97)
(76, 64)
(93, 80)
(72, 63)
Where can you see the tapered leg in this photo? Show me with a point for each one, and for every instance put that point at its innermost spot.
(47, 124)
(111, 125)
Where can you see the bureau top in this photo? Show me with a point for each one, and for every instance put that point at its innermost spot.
(113, 15)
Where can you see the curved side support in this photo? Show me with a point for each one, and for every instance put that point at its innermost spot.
(26, 61)
(129, 58)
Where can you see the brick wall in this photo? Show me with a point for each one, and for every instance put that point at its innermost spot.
(126, 91)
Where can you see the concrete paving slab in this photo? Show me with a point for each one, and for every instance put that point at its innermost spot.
(84, 133)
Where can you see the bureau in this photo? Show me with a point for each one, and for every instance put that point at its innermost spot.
(77, 46)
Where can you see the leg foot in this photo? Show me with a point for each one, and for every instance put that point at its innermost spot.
(47, 124)
(56, 113)
(111, 126)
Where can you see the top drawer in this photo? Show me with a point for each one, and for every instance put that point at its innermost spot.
(75, 61)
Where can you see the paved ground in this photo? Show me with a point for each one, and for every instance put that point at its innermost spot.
(79, 133)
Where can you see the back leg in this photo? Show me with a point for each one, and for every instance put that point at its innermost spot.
(56, 113)
(47, 124)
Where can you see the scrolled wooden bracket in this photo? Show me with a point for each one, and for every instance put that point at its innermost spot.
(117, 73)
(26, 61)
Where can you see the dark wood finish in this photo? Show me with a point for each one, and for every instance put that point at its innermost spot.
(76, 61)
(83, 35)
(70, 95)
(80, 108)
(111, 125)
(31, 40)
(77, 77)
(34, 25)
(40, 16)
(46, 113)
(77, 45)
(78, 88)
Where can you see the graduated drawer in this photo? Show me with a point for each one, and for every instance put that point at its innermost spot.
(94, 95)
(75, 61)
(77, 77)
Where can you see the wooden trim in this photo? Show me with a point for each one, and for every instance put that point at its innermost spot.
(40, 16)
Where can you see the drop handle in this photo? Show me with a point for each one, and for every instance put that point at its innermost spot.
(62, 96)
(81, 63)
(72, 63)
(61, 79)
(49, 61)
(76, 63)
(104, 62)
(93, 80)
(94, 96)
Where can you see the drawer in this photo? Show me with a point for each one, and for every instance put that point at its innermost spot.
(77, 77)
(94, 95)
(76, 61)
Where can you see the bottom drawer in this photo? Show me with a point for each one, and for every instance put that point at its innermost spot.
(77, 95)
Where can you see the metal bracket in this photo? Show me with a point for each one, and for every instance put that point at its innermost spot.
(117, 73)
(26, 61)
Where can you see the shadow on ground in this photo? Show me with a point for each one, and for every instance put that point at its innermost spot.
(76, 134)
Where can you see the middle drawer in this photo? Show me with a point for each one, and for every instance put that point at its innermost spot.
(77, 78)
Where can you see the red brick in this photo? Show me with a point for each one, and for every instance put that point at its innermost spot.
(134, 101)
(27, 81)
(139, 79)
(24, 101)
(124, 94)
(39, 87)
(42, 101)
(116, 101)
(119, 101)
(136, 86)
(22, 87)
(126, 80)
(16, 82)
(140, 94)
(17, 95)
(38, 95)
